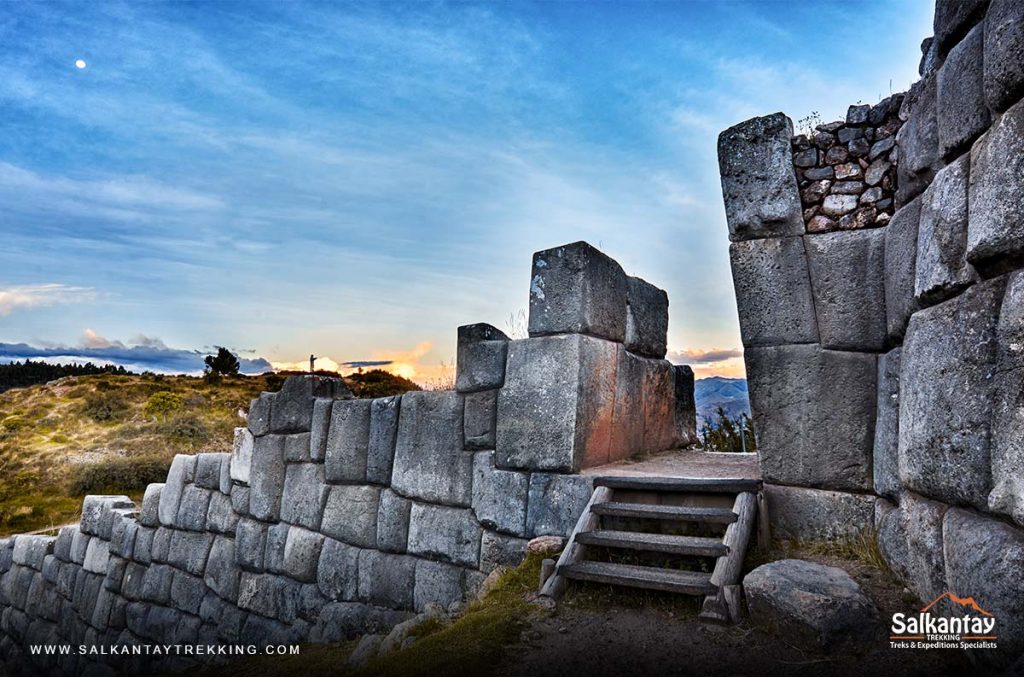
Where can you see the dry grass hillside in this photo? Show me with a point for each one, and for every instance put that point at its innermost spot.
(117, 433)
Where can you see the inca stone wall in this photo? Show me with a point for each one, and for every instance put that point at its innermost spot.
(335, 517)
(885, 362)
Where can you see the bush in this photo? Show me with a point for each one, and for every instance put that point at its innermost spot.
(119, 474)
(163, 403)
(184, 428)
(105, 407)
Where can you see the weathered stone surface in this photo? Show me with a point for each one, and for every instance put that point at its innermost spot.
(1004, 54)
(386, 580)
(319, 428)
(259, 414)
(806, 158)
(348, 441)
(347, 620)
(995, 222)
(962, 114)
(810, 604)
(685, 405)
(984, 558)
(337, 575)
(292, 411)
(480, 419)
(122, 536)
(393, 522)
(96, 519)
(952, 20)
(659, 423)
(189, 550)
(447, 533)
(947, 366)
(858, 114)
(500, 550)
(30, 551)
(296, 448)
(266, 481)
(910, 539)
(149, 516)
(222, 572)
(758, 185)
(208, 470)
(942, 268)
(900, 268)
(241, 455)
(887, 425)
(268, 595)
(814, 412)
(819, 174)
(837, 205)
(847, 275)
(627, 428)
(576, 289)
(304, 495)
(240, 499)
(480, 358)
(182, 471)
(917, 140)
(187, 592)
(646, 318)
(555, 503)
(1007, 495)
(815, 514)
(156, 584)
(221, 518)
(437, 583)
(277, 539)
(61, 547)
(251, 540)
(380, 454)
(773, 292)
(499, 496)
(192, 510)
(351, 514)
(429, 461)
(301, 554)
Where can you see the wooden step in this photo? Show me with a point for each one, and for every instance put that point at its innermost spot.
(678, 484)
(651, 578)
(667, 543)
(681, 513)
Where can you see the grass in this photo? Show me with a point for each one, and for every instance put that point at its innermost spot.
(862, 547)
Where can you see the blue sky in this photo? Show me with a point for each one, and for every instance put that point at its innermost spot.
(355, 180)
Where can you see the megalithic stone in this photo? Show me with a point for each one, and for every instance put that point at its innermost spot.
(646, 319)
(292, 409)
(685, 405)
(480, 359)
(576, 289)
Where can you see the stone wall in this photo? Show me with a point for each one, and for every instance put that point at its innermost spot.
(885, 362)
(334, 516)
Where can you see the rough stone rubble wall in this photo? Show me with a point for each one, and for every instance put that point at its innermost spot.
(335, 516)
(885, 364)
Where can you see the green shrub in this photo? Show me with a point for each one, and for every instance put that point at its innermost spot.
(163, 403)
(123, 474)
(105, 407)
(184, 428)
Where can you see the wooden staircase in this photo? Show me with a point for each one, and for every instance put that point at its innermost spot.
(663, 519)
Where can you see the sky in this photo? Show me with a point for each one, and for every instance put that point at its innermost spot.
(355, 180)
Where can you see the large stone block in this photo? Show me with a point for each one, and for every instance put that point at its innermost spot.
(500, 550)
(948, 361)
(297, 448)
(962, 114)
(149, 516)
(241, 455)
(319, 428)
(848, 279)
(348, 441)
(338, 571)
(646, 319)
(917, 140)
(270, 596)
(576, 289)
(30, 551)
(301, 554)
(480, 358)
(187, 592)
(292, 411)
(277, 539)
(450, 534)
(380, 455)
(910, 539)
(1004, 54)
(1007, 442)
(386, 580)
(814, 414)
(266, 482)
(755, 159)
(556, 502)
(942, 268)
(192, 510)
(659, 422)
(96, 519)
(438, 583)
(480, 419)
(887, 426)
(351, 514)
(251, 543)
(208, 470)
(685, 406)
(773, 292)
(222, 572)
(304, 494)
(900, 268)
(984, 558)
(393, 522)
(429, 461)
(995, 221)
(563, 422)
(499, 496)
(189, 550)
(259, 414)
(953, 18)
(803, 514)
(627, 428)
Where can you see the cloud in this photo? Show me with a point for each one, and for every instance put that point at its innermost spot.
(141, 354)
(697, 356)
(34, 296)
(330, 364)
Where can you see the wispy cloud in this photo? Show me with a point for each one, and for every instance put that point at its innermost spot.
(34, 296)
(697, 356)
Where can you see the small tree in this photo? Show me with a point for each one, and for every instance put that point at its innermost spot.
(726, 434)
(223, 363)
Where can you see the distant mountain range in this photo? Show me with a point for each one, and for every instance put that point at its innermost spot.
(717, 391)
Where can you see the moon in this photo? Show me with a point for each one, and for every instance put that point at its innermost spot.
(80, 64)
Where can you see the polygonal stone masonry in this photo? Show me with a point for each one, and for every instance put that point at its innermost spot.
(798, 513)
(499, 496)
(942, 270)
(480, 358)
(556, 502)
(393, 522)
(480, 419)
(292, 410)
(646, 318)
(305, 492)
(350, 514)
(1004, 54)
(961, 111)
(887, 426)
(900, 268)
(266, 481)
(348, 441)
(910, 540)
(380, 455)
(447, 533)
(430, 463)
(241, 455)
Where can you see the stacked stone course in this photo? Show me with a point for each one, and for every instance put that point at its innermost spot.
(334, 517)
(885, 364)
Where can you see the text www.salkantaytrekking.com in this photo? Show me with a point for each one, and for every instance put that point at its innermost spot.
(163, 650)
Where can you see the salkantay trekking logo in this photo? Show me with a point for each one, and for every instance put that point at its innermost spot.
(975, 629)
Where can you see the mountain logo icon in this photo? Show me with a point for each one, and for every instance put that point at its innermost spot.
(968, 602)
